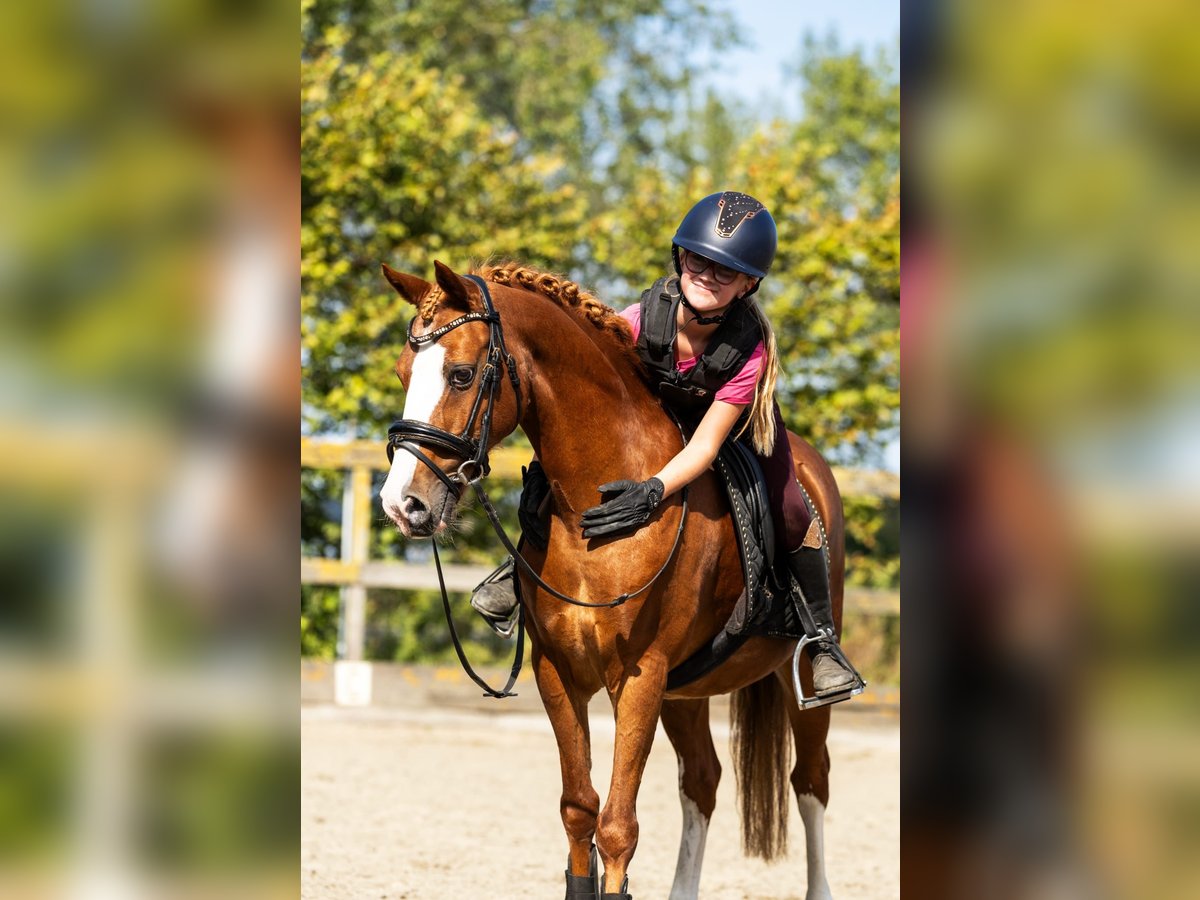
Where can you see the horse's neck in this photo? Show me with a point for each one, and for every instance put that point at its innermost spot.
(592, 420)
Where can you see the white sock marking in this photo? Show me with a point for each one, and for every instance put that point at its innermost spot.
(691, 847)
(813, 813)
(425, 390)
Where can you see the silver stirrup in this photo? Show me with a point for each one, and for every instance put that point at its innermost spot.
(831, 645)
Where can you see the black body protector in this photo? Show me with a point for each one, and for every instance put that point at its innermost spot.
(689, 394)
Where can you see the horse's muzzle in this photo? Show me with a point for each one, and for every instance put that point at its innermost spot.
(420, 517)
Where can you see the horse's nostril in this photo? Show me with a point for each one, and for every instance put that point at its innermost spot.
(413, 507)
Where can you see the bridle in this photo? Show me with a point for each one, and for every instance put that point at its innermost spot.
(411, 434)
(408, 434)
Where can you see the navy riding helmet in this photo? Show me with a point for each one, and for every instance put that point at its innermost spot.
(732, 228)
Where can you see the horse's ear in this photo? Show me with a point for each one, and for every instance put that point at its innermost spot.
(455, 288)
(410, 287)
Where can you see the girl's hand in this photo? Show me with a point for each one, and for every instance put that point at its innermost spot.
(628, 511)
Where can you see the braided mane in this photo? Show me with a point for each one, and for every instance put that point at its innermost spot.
(610, 332)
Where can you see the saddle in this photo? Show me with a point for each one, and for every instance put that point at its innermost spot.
(767, 605)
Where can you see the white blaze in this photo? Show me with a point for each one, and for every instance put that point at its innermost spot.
(425, 390)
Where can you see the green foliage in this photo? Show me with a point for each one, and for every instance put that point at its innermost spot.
(410, 626)
(403, 626)
(852, 115)
(216, 803)
(36, 819)
(399, 166)
(465, 131)
(837, 317)
(832, 180)
(319, 613)
(872, 542)
(873, 643)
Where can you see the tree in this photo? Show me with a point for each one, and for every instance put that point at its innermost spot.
(398, 165)
(852, 115)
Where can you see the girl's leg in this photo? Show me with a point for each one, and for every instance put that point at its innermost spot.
(798, 535)
(792, 518)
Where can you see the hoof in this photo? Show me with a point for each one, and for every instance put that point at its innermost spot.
(583, 887)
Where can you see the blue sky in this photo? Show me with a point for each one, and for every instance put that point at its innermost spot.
(774, 29)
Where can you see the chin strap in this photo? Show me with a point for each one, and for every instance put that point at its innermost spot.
(705, 320)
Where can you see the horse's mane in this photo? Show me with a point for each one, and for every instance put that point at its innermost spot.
(611, 333)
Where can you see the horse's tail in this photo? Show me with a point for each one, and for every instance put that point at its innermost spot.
(761, 748)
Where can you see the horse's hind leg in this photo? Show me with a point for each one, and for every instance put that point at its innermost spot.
(686, 724)
(579, 804)
(810, 780)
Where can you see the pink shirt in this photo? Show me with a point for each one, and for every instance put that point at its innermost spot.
(738, 390)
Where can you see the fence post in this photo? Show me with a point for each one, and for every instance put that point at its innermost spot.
(356, 538)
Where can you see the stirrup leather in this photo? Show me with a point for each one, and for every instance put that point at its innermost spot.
(829, 644)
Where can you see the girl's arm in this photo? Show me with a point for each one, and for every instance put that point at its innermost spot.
(637, 500)
(690, 462)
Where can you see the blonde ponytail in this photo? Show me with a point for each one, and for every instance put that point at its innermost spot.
(761, 421)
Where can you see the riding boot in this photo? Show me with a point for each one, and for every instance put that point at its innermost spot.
(808, 568)
(495, 598)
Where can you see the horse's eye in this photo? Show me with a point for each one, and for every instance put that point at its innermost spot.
(462, 376)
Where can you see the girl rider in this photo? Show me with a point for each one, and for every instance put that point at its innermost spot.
(712, 353)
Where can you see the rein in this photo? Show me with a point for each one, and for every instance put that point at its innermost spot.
(411, 434)
(494, 518)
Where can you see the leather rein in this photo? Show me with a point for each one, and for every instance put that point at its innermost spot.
(412, 434)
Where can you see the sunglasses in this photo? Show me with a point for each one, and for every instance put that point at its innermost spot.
(696, 264)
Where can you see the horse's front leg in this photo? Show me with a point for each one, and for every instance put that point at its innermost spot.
(637, 700)
(686, 724)
(579, 804)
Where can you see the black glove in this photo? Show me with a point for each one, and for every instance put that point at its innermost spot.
(535, 486)
(628, 511)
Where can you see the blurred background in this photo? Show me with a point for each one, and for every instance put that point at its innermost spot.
(1051, 389)
(148, 397)
(147, 680)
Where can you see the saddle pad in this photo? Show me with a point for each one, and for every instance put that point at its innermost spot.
(766, 605)
(743, 480)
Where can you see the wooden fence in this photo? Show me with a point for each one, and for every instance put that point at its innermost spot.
(89, 683)
(355, 571)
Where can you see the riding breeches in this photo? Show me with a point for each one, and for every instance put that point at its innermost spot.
(783, 491)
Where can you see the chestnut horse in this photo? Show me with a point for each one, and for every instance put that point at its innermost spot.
(591, 418)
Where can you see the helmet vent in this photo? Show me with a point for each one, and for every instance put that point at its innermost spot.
(735, 208)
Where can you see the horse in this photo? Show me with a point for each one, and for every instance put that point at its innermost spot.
(576, 388)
